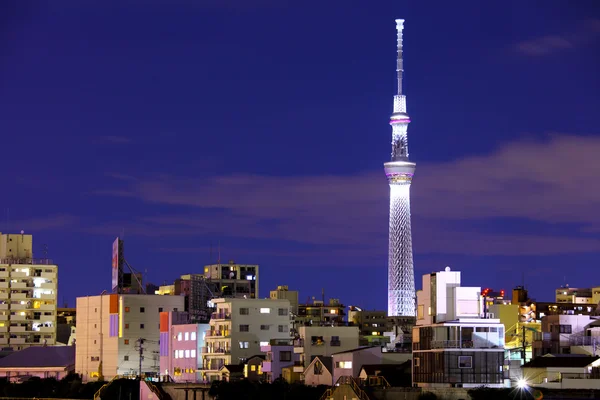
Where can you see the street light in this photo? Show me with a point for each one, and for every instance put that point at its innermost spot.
(521, 383)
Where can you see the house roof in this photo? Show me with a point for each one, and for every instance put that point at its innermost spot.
(393, 373)
(40, 357)
(260, 356)
(564, 360)
(327, 362)
(233, 368)
(355, 350)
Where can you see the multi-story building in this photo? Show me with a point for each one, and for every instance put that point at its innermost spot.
(279, 355)
(28, 294)
(109, 331)
(561, 332)
(283, 292)
(453, 346)
(218, 281)
(181, 344)
(319, 313)
(323, 341)
(372, 325)
(568, 294)
(238, 330)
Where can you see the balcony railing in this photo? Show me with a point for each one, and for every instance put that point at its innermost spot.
(220, 316)
(584, 340)
(33, 261)
(451, 344)
(298, 342)
(217, 351)
(211, 333)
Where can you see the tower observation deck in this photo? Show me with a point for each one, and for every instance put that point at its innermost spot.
(399, 172)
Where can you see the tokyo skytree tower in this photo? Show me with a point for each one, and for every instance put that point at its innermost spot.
(399, 172)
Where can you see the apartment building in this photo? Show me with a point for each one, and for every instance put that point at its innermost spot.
(110, 329)
(566, 334)
(372, 325)
(181, 344)
(218, 281)
(453, 346)
(279, 356)
(283, 292)
(321, 313)
(238, 330)
(28, 294)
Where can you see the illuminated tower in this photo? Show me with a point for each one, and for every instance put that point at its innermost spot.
(399, 172)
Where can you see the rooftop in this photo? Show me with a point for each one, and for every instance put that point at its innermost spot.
(40, 357)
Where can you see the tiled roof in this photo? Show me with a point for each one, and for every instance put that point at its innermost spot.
(40, 357)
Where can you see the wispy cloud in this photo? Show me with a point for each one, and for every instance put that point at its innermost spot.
(51, 222)
(549, 44)
(114, 139)
(551, 181)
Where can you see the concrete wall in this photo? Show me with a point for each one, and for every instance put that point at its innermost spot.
(348, 336)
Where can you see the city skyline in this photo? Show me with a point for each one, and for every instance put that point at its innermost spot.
(199, 126)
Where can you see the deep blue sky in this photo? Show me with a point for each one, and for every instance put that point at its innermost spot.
(263, 125)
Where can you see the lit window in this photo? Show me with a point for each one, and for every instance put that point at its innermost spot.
(333, 311)
(180, 353)
(193, 336)
(253, 368)
(193, 353)
(243, 345)
(187, 354)
(265, 310)
(264, 343)
(187, 336)
(344, 364)
(179, 337)
(176, 354)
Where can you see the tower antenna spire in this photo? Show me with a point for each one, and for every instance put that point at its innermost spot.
(399, 172)
(399, 62)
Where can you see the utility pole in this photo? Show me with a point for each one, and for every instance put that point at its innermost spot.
(141, 351)
(524, 344)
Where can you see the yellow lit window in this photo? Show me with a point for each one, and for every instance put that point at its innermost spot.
(127, 309)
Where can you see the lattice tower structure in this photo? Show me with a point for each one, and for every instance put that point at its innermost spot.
(399, 172)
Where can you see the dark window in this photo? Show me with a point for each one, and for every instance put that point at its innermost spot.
(160, 309)
(285, 356)
(244, 328)
(141, 326)
(142, 309)
(126, 358)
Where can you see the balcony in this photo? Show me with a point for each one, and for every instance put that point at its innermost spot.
(19, 285)
(3, 306)
(49, 275)
(19, 296)
(217, 351)
(217, 316)
(18, 307)
(47, 296)
(298, 366)
(3, 329)
(18, 317)
(17, 340)
(3, 285)
(451, 344)
(17, 329)
(3, 340)
(211, 333)
(3, 317)
(267, 366)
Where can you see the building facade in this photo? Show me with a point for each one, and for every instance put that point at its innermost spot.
(181, 344)
(319, 313)
(323, 341)
(110, 328)
(238, 330)
(279, 355)
(453, 346)
(372, 325)
(283, 292)
(28, 295)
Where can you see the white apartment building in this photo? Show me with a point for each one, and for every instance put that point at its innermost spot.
(453, 346)
(238, 330)
(109, 328)
(323, 341)
(567, 334)
(28, 294)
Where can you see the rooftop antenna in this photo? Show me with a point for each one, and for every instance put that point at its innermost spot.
(219, 260)
(45, 251)
(399, 62)
(210, 253)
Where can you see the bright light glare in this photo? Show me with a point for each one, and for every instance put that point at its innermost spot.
(521, 383)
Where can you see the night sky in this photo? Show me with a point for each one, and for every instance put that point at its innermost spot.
(263, 125)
